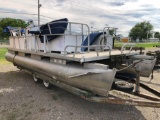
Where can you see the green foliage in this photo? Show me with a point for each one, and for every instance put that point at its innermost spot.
(146, 45)
(157, 35)
(2, 58)
(2, 53)
(141, 30)
(4, 22)
(111, 32)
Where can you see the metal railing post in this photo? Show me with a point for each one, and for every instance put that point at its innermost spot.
(49, 28)
(82, 32)
(25, 39)
(70, 28)
(44, 40)
(35, 43)
(88, 38)
(129, 44)
(14, 44)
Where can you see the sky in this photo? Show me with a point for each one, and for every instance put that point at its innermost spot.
(122, 14)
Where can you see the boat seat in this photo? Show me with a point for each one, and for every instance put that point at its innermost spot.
(93, 37)
(56, 27)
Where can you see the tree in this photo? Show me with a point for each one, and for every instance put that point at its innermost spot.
(141, 30)
(4, 22)
(111, 32)
(157, 35)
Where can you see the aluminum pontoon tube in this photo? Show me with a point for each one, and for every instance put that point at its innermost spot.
(98, 81)
(141, 57)
(145, 66)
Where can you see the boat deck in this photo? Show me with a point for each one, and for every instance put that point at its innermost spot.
(79, 57)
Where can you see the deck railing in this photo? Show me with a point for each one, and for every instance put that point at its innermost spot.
(127, 44)
(82, 33)
(93, 46)
(69, 33)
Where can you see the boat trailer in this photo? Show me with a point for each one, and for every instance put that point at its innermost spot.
(78, 66)
(135, 98)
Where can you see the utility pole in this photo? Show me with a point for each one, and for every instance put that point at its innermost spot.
(147, 36)
(148, 31)
(39, 5)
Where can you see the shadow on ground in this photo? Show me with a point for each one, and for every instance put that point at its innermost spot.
(21, 98)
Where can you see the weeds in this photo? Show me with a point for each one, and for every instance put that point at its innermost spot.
(2, 56)
(11, 116)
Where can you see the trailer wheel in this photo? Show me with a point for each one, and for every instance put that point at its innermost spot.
(123, 86)
(36, 80)
(47, 84)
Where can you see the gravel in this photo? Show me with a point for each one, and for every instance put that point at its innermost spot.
(22, 99)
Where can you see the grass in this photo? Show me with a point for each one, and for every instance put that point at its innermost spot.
(2, 53)
(11, 116)
(2, 56)
(146, 45)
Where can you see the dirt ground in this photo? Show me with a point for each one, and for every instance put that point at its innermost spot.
(22, 99)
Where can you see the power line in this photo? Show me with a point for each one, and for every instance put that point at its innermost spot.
(19, 3)
(77, 3)
(81, 4)
(42, 6)
(24, 13)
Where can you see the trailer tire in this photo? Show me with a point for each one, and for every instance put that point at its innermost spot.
(123, 86)
(36, 80)
(47, 84)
